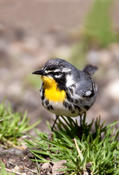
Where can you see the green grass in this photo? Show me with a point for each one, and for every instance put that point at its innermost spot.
(97, 32)
(13, 125)
(98, 26)
(93, 147)
(78, 57)
(34, 81)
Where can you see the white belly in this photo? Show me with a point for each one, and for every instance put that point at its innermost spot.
(60, 109)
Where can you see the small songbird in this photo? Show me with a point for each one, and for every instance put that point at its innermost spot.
(67, 91)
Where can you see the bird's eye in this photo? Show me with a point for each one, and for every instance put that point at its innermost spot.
(57, 74)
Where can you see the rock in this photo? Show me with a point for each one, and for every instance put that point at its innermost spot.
(102, 57)
(46, 169)
(93, 57)
(112, 89)
(57, 166)
(114, 48)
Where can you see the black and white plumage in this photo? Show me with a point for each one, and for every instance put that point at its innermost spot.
(79, 87)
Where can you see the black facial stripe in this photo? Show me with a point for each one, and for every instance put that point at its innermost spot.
(53, 73)
(58, 75)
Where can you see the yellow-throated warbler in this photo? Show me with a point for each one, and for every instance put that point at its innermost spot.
(67, 91)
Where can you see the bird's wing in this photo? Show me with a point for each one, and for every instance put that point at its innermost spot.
(84, 85)
(84, 91)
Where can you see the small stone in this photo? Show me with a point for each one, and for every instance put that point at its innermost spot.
(112, 89)
(57, 166)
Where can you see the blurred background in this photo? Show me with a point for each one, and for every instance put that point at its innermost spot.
(82, 32)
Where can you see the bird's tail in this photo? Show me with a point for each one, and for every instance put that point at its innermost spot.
(90, 69)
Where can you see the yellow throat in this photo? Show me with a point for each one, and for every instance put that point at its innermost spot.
(52, 92)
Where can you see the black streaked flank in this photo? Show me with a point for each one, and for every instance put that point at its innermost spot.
(43, 103)
(70, 107)
(42, 97)
(76, 101)
(86, 107)
(78, 108)
(69, 97)
(71, 90)
(47, 102)
(42, 94)
(65, 104)
(73, 112)
(50, 107)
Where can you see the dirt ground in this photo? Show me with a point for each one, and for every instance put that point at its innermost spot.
(36, 16)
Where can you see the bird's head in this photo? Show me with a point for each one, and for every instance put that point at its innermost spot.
(58, 71)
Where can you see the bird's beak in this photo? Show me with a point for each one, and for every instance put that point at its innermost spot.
(39, 72)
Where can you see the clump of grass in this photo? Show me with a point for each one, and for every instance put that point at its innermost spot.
(13, 125)
(98, 26)
(97, 32)
(92, 147)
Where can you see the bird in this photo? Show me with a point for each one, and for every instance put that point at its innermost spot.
(66, 90)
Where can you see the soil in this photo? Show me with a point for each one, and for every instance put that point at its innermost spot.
(18, 161)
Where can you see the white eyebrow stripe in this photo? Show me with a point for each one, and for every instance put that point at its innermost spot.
(57, 70)
(47, 71)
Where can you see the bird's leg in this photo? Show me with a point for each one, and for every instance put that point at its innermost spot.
(82, 124)
(80, 127)
(54, 122)
(82, 118)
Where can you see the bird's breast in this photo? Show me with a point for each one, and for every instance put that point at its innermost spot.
(51, 90)
(55, 95)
